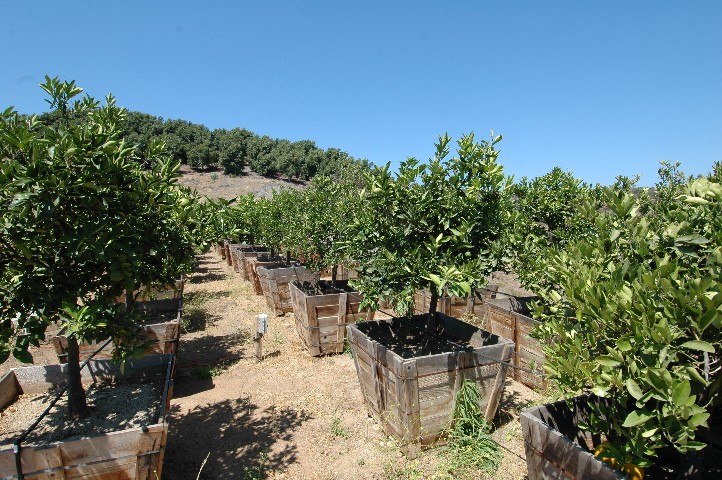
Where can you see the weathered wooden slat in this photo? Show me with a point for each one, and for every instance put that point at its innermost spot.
(419, 392)
(9, 389)
(49, 459)
(552, 442)
(323, 318)
(164, 336)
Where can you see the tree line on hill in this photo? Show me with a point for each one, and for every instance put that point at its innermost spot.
(234, 151)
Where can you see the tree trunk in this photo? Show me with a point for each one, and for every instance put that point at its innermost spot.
(433, 302)
(334, 274)
(288, 257)
(77, 403)
(129, 301)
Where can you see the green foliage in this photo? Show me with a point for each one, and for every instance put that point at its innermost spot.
(547, 215)
(337, 428)
(80, 222)
(470, 449)
(432, 225)
(638, 318)
(232, 150)
(328, 208)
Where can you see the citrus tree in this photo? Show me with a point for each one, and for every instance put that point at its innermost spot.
(81, 222)
(549, 212)
(328, 209)
(433, 225)
(638, 320)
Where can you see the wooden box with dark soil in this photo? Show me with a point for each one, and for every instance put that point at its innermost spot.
(242, 258)
(454, 306)
(124, 436)
(275, 282)
(558, 448)
(242, 250)
(410, 369)
(322, 313)
(252, 264)
(161, 329)
(507, 317)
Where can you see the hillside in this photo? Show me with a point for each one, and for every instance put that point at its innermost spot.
(216, 184)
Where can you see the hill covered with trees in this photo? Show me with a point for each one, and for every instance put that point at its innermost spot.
(234, 151)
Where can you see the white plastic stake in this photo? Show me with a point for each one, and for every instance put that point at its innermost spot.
(258, 338)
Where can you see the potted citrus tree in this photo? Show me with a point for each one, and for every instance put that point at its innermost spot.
(82, 222)
(635, 321)
(434, 226)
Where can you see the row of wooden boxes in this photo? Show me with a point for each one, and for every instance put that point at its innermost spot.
(132, 453)
(409, 368)
(322, 309)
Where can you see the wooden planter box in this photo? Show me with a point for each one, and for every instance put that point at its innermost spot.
(410, 373)
(275, 285)
(164, 335)
(133, 453)
(243, 257)
(557, 448)
(321, 320)
(454, 306)
(230, 250)
(342, 273)
(502, 317)
(253, 263)
(236, 257)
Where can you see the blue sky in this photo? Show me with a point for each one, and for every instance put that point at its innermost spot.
(601, 88)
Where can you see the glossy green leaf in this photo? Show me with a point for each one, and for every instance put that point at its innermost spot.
(699, 345)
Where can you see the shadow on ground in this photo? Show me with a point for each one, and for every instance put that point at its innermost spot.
(197, 319)
(199, 298)
(212, 351)
(241, 441)
(203, 274)
(510, 406)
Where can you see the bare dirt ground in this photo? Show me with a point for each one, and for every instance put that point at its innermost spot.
(290, 416)
(218, 185)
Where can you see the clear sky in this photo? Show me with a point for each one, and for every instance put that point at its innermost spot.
(600, 88)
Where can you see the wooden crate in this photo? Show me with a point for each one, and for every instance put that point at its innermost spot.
(455, 306)
(556, 448)
(260, 261)
(503, 318)
(133, 453)
(230, 250)
(163, 335)
(169, 291)
(243, 258)
(239, 252)
(321, 320)
(411, 391)
(342, 273)
(275, 285)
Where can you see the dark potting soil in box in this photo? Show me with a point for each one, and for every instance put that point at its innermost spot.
(411, 337)
(325, 288)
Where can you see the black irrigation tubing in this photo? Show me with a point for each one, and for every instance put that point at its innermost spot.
(17, 445)
(510, 365)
